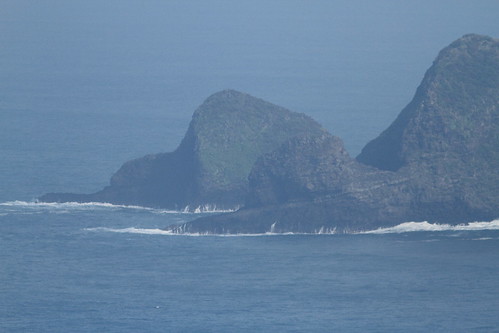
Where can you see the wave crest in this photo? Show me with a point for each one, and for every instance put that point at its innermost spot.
(104, 205)
(143, 231)
(401, 228)
(426, 226)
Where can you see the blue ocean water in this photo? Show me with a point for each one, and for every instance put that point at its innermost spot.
(86, 268)
(87, 85)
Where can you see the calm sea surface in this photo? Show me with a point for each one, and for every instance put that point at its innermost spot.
(88, 85)
(79, 268)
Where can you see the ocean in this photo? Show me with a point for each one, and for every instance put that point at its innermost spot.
(88, 85)
(104, 268)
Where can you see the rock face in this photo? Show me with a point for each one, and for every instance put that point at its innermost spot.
(227, 134)
(310, 185)
(453, 112)
(437, 162)
(448, 136)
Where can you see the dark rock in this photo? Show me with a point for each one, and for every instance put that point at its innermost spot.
(437, 162)
(448, 136)
(454, 110)
(228, 132)
(311, 185)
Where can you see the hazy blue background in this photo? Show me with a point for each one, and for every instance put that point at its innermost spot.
(86, 85)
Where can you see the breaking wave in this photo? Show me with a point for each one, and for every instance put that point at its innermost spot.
(207, 209)
(426, 226)
(78, 206)
(132, 231)
(144, 231)
(401, 228)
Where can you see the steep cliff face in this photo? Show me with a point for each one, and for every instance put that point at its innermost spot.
(437, 162)
(449, 134)
(454, 111)
(227, 134)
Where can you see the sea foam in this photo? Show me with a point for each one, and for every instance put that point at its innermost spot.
(401, 228)
(104, 205)
(143, 231)
(426, 226)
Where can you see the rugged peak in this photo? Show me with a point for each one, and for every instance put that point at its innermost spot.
(443, 147)
(230, 101)
(454, 111)
(230, 130)
(227, 94)
(227, 134)
(473, 55)
(470, 42)
(226, 97)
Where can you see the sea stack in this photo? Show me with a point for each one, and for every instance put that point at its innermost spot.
(437, 162)
(210, 168)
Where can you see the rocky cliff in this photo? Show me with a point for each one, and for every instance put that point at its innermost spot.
(454, 110)
(437, 162)
(227, 134)
(448, 136)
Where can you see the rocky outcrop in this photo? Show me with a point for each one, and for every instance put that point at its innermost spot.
(437, 162)
(227, 134)
(454, 111)
(311, 185)
(448, 136)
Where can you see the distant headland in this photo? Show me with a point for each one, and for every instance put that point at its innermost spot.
(438, 161)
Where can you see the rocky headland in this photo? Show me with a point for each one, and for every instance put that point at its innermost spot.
(438, 161)
(210, 168)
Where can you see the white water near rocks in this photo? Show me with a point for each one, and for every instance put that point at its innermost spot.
(401, 228)
(115, 269)
(96, 205)
(425, 226)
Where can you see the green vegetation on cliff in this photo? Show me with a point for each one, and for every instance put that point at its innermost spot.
(231, 130)
(227, 134)
(437, 162)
